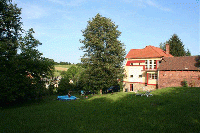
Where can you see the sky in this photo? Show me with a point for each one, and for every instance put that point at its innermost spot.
(58, 23)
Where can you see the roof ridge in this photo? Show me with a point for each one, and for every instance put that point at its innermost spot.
(155, 50)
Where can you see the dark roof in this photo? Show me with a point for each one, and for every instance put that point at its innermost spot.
(179, 63)
(147, 52)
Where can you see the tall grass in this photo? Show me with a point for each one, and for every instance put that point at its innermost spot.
(169, 110)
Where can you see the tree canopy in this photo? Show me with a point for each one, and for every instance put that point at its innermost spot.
(104, 53)
(22, 65)
(176, 46)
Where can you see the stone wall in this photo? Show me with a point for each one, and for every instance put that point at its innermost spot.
(175, 78)
(138, 87)
(150, 88)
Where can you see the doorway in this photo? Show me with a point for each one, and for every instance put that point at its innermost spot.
(131, 87)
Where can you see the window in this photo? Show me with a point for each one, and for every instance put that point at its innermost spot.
(152, 76)
(155, 76)
(151, 64)
(131, 64)
(154, 64)
(146, 64)
(140, 76)
(131, 76)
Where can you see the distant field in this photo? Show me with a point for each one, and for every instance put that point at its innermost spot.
(60, 68)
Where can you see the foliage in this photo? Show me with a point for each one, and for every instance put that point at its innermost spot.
(65, 86)
(51, 89)
(176, 46)
(76, 74)
(104, 53)
(167, 111)
(70, 73)
(188, 53)
(184, 83)
(63, 63)
(22, 65)
(197, 64)
(163, 46)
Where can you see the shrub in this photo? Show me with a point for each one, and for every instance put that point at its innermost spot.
(64, 86)
(184, 83)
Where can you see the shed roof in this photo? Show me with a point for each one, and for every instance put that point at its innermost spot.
(179, 63)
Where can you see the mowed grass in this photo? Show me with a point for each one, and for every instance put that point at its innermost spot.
(168, 110)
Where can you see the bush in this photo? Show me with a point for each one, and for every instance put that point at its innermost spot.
(51, 89)
(184, 83)
(64, 86)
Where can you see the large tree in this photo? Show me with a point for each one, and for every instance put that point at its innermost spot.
(176, 46)
(21, 65)
(104, 53)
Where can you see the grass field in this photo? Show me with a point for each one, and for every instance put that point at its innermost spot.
(60, 68)
(168, 110)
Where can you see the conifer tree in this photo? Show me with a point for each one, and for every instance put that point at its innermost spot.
(176, 46)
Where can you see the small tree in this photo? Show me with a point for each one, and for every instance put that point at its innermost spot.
(65, 86)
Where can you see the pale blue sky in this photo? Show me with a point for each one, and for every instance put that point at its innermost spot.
(58, 23)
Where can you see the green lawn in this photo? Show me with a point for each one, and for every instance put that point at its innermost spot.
(169, 110)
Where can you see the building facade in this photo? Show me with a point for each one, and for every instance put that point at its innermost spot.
(173, 71)
(141, 68)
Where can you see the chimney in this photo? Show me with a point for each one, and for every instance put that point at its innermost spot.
(167, 48)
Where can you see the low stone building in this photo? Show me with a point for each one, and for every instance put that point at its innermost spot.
(174, 70)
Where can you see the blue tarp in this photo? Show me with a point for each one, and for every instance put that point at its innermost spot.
(66, 98)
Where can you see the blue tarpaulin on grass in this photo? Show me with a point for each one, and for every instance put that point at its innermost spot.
(63, 98)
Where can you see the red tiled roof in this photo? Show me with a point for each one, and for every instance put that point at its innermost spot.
(147, 52)
(179, 63)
